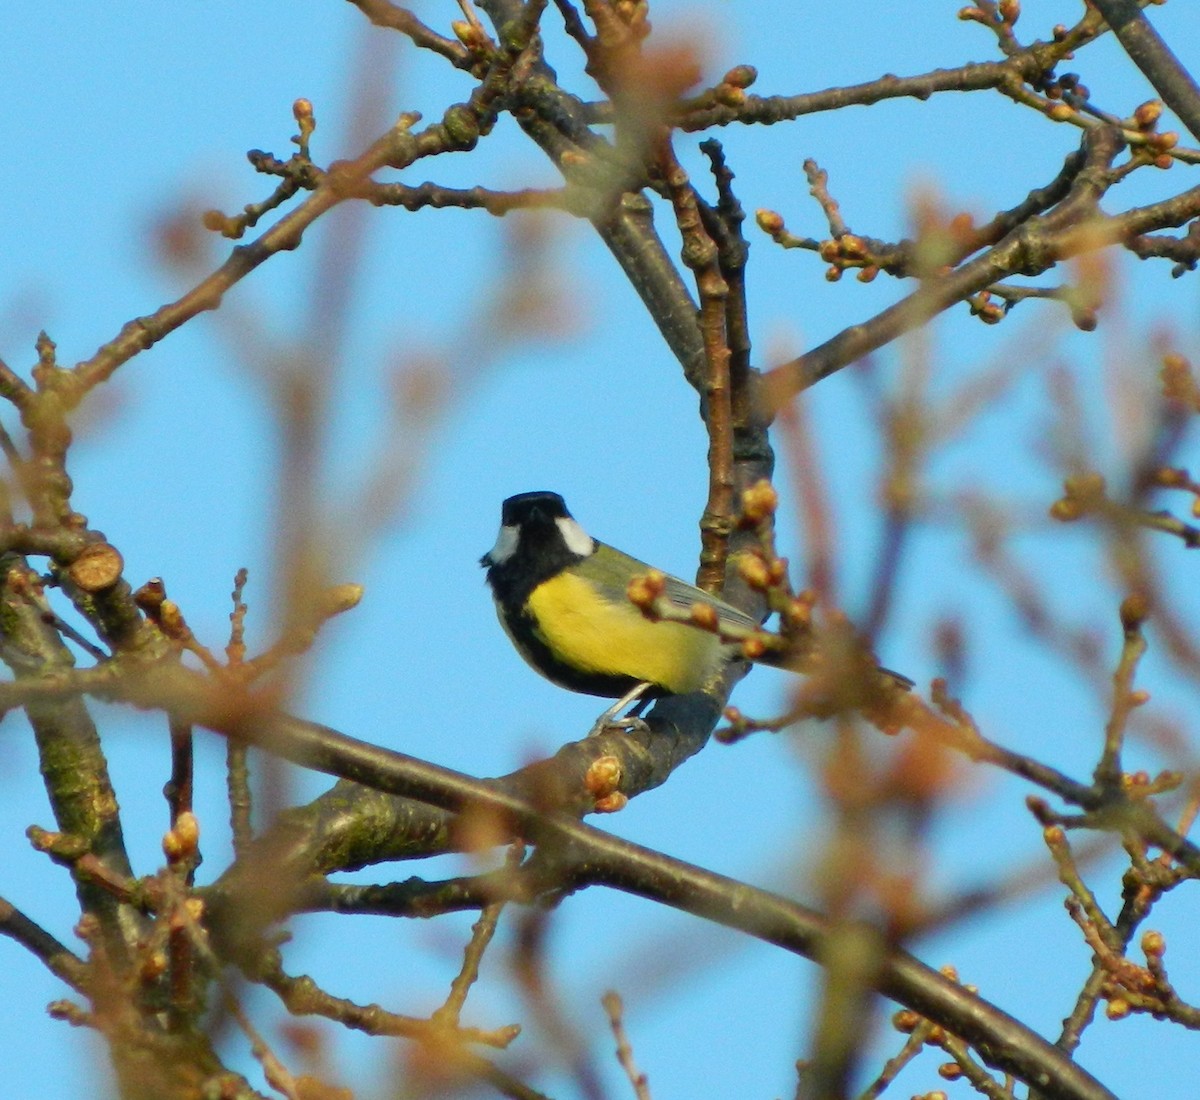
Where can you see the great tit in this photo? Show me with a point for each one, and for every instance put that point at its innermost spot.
(561, 597)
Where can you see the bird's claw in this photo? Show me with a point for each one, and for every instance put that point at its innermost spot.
(628, 724)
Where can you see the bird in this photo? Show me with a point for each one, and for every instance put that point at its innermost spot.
(562, 598)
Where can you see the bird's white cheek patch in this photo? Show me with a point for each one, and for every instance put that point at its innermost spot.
(506, 545)
(577, 540)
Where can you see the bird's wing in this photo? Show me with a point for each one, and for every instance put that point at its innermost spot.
(679, 592)
(684, 595)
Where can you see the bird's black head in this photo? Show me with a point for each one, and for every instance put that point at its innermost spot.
(538, 507)
(538, 539)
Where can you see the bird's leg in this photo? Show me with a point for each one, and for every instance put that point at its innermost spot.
(609, 719)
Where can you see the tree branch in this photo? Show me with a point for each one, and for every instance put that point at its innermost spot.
(1153, 56)
(584, 855)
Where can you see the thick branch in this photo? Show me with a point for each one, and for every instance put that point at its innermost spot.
(588, 856)
(1153, 56)
(558, 124)
(73, 765)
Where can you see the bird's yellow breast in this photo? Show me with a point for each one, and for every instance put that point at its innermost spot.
(612, 637)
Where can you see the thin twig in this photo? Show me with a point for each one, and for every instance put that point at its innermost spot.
(616, 1020)
(385, 14)
(481, 935)
(59, 959)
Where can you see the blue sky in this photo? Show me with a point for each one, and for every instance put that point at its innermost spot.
(122, 115)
